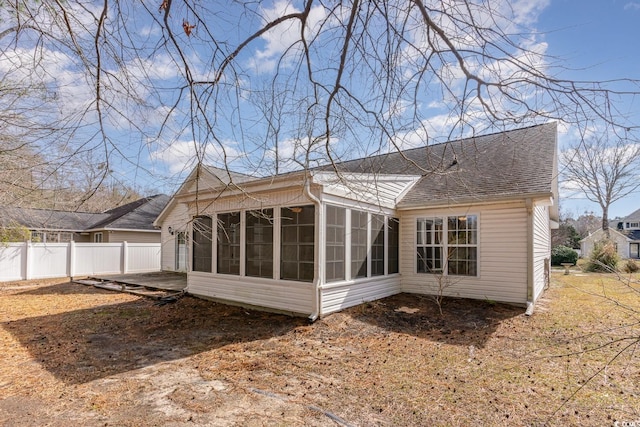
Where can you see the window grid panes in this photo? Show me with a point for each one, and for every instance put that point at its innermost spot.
(462, 235)
(377, 245)
(228, 255)
(393, 233)
(448, 245)
(429, 245)
(297, 238)
(259, 243)
(202, 245)
(335, 243)
(358, 244)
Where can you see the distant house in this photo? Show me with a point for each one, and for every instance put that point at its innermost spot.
(132, 223)
(625, 236)
(468, 218)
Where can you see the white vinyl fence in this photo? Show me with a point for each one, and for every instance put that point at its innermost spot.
(25, 261)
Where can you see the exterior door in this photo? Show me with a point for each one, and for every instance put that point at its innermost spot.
(181, 251)
(634, 250)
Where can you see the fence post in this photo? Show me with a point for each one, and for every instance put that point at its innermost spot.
(125, 257)
(72, 259)
(27, 259)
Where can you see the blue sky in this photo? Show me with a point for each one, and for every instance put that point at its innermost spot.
(600, 39)
(590, 40)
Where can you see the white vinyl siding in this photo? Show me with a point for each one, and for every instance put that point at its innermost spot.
(281, 295)
(502, 263)
(541, 249)
(116, 236)
(338, 296)
(178, 219)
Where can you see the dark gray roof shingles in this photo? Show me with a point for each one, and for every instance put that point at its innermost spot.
(498, 165)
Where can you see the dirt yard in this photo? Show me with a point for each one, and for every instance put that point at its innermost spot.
(76, 355)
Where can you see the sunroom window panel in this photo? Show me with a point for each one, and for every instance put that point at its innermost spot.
(377, 245)
(335, 243)
(202, 244)
(297, 236)
(259, 243)
(358, 244)
(393, 232)
(228, 256)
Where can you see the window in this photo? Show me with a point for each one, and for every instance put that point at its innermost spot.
(97, 238)
(429, 245)
(634, 250)
(377, 245)
(335, 243)
(358, 244)
(229, 243)
(448, 245)
(633, 225)
(297, 237)
(462, 252)
(202, 245)
(259, 243)
(393, 233)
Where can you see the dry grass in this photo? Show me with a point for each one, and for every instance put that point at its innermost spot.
(78, 355)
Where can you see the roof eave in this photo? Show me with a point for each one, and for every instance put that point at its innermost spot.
(473, 201)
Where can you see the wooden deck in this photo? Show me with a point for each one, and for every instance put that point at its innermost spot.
(164, 280)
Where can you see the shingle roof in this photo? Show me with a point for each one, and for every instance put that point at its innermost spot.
(39, 219)
(138, 215)
(632, 217)
(498, 165)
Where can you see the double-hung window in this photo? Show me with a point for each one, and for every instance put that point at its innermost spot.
(447, 245)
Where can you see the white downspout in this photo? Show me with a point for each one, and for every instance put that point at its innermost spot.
(530, 279)
(316, 281)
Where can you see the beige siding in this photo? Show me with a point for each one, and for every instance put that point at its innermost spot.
(502, 254)
(115, 236)
(621, 242)
(178, 219)
(258, 200)
(337, 297)
(541, 249)
(281, 295)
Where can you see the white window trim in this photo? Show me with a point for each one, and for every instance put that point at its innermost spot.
(445, 244)
(95, 237)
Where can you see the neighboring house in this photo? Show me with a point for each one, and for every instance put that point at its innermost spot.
(625, 234)
(468, 218)
(132, 223)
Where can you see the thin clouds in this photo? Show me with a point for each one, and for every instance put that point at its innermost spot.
(632, 6)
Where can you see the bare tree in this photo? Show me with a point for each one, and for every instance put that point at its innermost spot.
(603, 170)
(370, 76)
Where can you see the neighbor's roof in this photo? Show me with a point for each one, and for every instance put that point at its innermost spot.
(500, 165)
(41, 219)
(138, 215)
(632, 217)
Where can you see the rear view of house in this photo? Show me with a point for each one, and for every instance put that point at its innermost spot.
(468, 218)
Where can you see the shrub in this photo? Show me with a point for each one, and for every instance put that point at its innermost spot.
(631, 267)
(561, 254)
(604, 257)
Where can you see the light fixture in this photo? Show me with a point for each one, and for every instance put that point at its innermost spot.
(170, 230)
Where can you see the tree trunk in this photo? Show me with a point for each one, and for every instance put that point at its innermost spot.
(605, 222)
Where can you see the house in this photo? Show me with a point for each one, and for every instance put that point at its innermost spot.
(624, 233)
(468, 218)
(132, 223)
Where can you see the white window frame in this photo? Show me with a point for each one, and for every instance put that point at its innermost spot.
(444, 245)
(98, 237)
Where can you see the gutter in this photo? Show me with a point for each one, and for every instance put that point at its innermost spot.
(317, 297)
(530, 301)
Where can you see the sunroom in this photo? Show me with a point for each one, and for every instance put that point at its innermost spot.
(306, 244)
